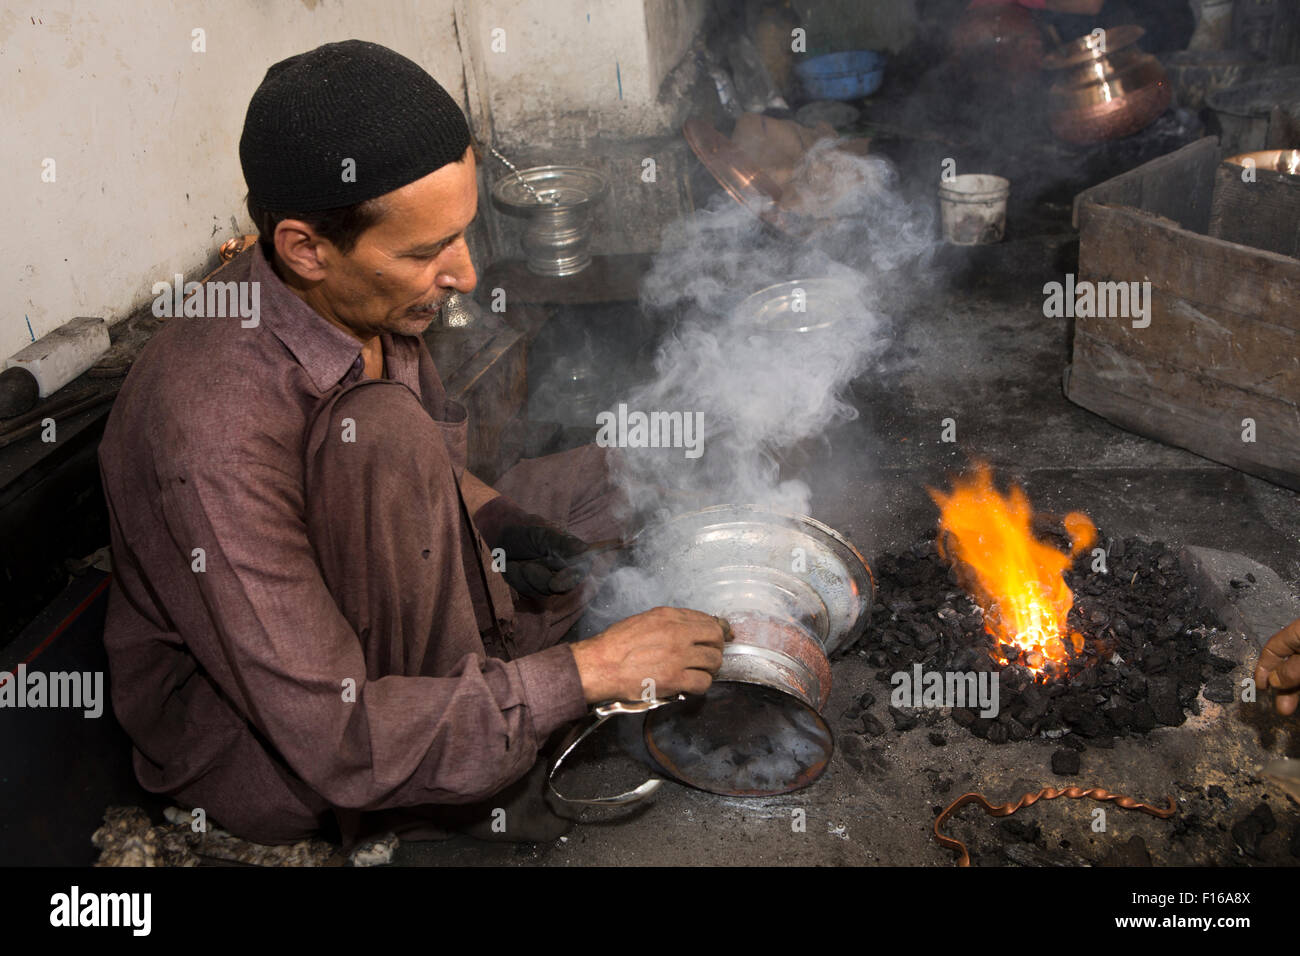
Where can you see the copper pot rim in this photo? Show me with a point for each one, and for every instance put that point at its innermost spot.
(1081, 50)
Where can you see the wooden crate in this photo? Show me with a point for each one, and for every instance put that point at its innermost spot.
(1223, 344)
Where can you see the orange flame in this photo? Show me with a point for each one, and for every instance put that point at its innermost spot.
(1016, 578)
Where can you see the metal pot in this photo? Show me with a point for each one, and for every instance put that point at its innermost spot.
(558, 210)
(759, 729)
(1108, 88)
(793, 591)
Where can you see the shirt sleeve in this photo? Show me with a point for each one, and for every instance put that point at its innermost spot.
(281, 650)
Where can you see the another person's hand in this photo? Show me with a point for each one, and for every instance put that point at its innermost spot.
(678, 649)
(1279, 667)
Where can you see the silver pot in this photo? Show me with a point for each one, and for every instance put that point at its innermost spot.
(793, 591)
(558, 210)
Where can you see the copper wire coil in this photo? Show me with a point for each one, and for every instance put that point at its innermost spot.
(1029, 799)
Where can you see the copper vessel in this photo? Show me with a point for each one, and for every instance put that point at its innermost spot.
(1107, 87)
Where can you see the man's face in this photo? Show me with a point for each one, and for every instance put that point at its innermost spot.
(403, 268)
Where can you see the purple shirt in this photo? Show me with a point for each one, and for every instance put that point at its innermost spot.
(231, 680)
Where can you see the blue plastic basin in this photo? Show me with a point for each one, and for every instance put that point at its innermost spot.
(842, 76)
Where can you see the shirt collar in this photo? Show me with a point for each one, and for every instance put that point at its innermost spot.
(325, 351)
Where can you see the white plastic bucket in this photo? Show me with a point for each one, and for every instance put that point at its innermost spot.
(974, 208)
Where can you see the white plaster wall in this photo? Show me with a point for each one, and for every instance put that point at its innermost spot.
(145, 134)
(568, 70)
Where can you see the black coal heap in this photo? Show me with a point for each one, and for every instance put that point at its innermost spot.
(1145, 656)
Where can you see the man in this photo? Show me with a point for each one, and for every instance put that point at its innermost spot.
(305, 628)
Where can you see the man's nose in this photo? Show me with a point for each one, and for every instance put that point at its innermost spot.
(458, 273)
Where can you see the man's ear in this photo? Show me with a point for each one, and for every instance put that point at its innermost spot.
(301, 249)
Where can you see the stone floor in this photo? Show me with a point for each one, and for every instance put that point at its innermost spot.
(980, 351)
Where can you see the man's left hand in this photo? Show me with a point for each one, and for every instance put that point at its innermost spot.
(540, 559)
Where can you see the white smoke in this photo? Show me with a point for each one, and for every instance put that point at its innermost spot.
(765, 392)
(761, 393)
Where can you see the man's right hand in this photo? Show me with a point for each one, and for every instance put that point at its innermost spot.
(1279, 667)
(677, 649)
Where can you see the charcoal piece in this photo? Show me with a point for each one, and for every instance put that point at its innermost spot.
(964, 716)
(852, 712)
(998, 733)
(1034, 705)
(1135, 687)
(1144, 718)
(1168, 710)
(865, 701)
(903, 721)
(1018, 731)
(936, 738)
(942, 784)
(1120, 717)
(872, 726)
(1216, 792)
(1220, 689)
(980, 727)
(965, 659)
(1083, 718)
(1074, 743)
(1065, 763)
(1223, 665)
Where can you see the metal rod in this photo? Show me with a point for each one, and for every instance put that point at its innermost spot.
(523, 182)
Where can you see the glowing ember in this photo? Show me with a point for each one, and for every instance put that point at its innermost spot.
(1016, 578)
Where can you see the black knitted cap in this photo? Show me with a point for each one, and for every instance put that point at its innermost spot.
(351, 100)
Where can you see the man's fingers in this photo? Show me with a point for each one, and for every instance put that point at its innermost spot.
(703, 657)
(695, 681)
(1285, 676)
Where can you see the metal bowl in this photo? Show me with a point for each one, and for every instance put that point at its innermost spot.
(799, 306)
(565, 187)
(738, 559)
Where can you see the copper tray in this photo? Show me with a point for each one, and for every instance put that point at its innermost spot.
(743, 181)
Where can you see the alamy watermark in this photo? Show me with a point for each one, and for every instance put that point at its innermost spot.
(212, 300)
(75, 908)
(922, 688)
(83, 690)
(624, 429)
(1100, 300)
